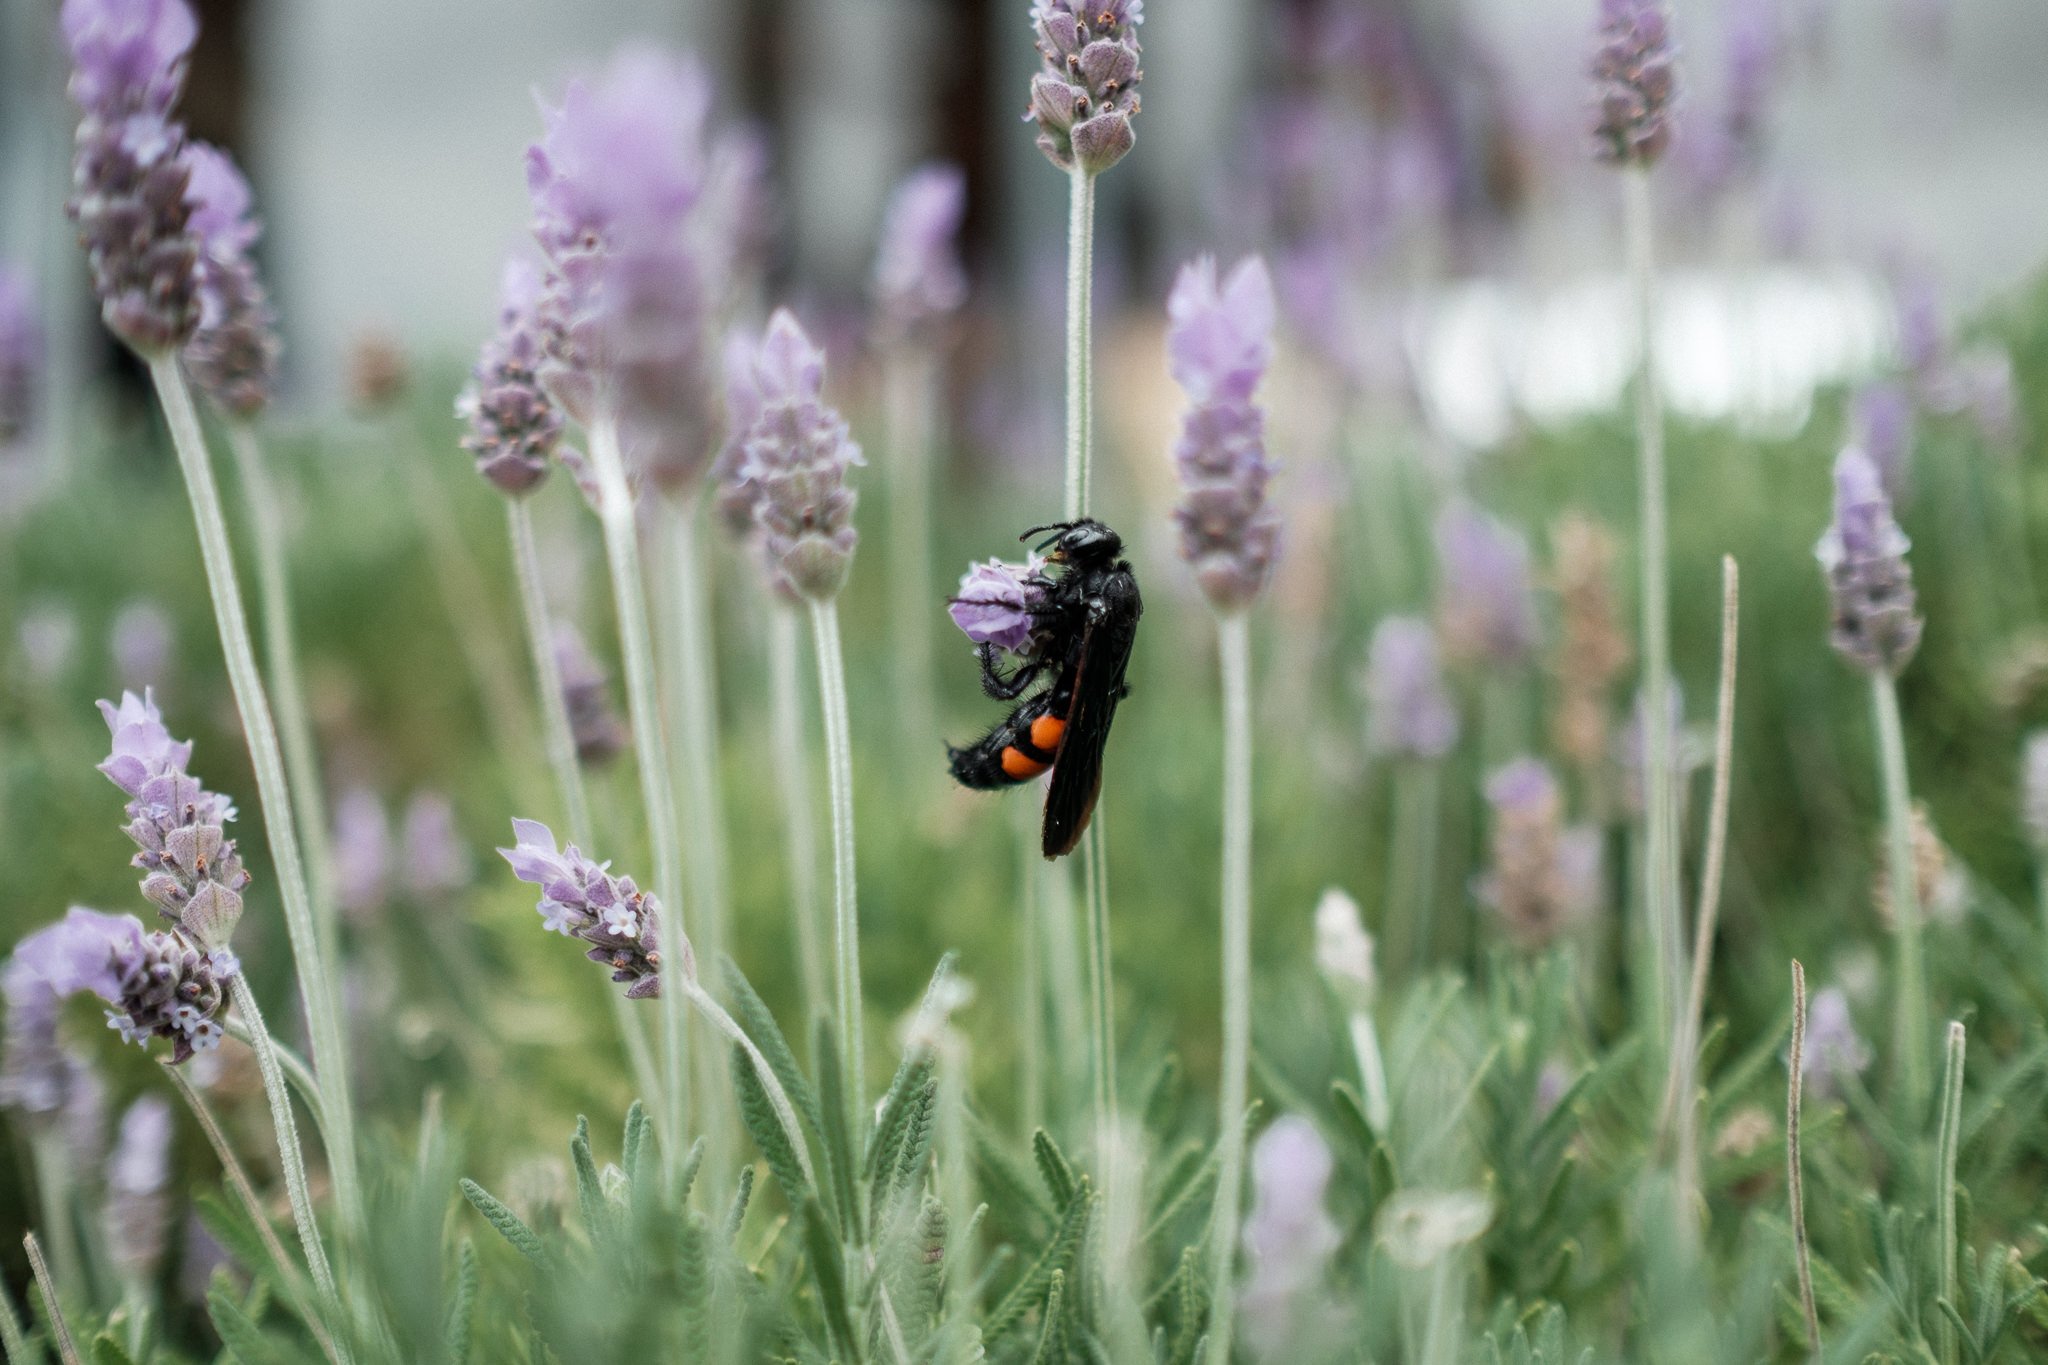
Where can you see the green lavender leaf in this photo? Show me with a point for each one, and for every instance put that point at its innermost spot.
(693, 1278)
(243, 1339)
(760, 1025)
(106, 1349)
(737, 1214)
(590, 1201)
(1057, 1254)
(766, 1129)
(1052, 1336)
(829, 1273)
(461, 1332)
(509, 1225)
(1053, 1168)
(634, 1145)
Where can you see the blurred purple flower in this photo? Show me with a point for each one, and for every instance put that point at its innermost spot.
(137, 1212)
(36, 1072)
(1922, 330)
(1219, 341)
(794, 454)
(1688, 755)
(233, 354)
(919, 280)
(1408, 712)
(141, 641)
(435, 858)
(995, 601)
(191, 870)
(1289, 1236)
(21, 356)
(48, 636)
(581, 899)
(1834, 1051)
(1486, 599)
(1881, 422)
(1084, 98)
(514, 426)
(362, 853)
(586, 693)
(75, 954)
(160, 987)
(128, 174)
(1634, 81)
(1544, 879)
(1863, 555)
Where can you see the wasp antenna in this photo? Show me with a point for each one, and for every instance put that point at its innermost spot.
(1056, 527)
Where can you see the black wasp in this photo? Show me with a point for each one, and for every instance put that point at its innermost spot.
(1086, 620)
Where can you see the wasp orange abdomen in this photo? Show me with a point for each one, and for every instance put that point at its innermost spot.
(1021, 765)
(1046, 732)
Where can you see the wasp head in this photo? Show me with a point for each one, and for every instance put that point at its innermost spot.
(1084, 544)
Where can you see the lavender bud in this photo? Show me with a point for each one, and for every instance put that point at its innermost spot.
(141, 641)
(514, 426)
(2034, 790)
(362, 853)
(232, 357)
(795, 454)
(436, 860)
(1087, 94)
(1486, 603)
(137, 1212)
(1634, 80)
(1289, 1236)
(919, 281)
(1408, 712)
(1834, 1051)
(995, 602)
(1344, 951)
(581, 899)
(21, 356)
(586, 692)
(1863, 554)
(1219, 342)
(128, 174)
(1545, 879)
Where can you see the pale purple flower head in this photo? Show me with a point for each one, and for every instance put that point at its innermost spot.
(587, 695)
(1219, 341)
(1544, 879)
(1834, 1051)
(435, 859)
(159, 986)
(39, 1076)
(78, 953)
(794, 454)
(1486, 603)
(1863, 555)
(1881, 420)
(361, 847)
(1634, 81)
(233, 354)
(141, 641)
(1408, 712)
(137, 1212)
(21, 356)
(581, 899)
(919, 280)
(2034, 790)
(128, 172)
(1289, 1236)
(995, 602)
(1084, 97)
(514, 426)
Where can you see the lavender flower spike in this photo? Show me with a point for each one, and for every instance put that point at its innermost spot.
(21, 356)
(795, 455)
(1219, 341)
(1863, 554)
(1834, 1050)
(995, 602)
(1545, 878)
(1084, 99)
(233, 355)
(581, 899)
(1486, 599)
(919, 281)
(128, 173)
(160, 986)
(137, 1212)
(1408, 712)
(1289, 1236)
(514, 426)
(1634, 81)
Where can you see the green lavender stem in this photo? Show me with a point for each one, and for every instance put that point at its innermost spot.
(695, 700)
(910, 392)
(1948, 1138)
(793, 774)
(54, 1187)
(67, 1345)
(845, 915)
(1795, 1176)
(1910, 990)
(1235, 657)
(560, 742)
(1080, 343)
(1660, 794)
(287, 685)
(636, 649)
(315, 974)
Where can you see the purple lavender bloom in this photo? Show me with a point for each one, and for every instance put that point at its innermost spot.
(1863, 555)
(995, 602)
(514, 426)
(362, 853)
(435, 859)
(232, 356)
(75, 954)
(21, 356)
(1834, 1051)
(1408, 712)
(919, 280)
(128, 171)
(581, 899)
(141, 641)
(586, 691)
(1289, 1236)
(191, 870)
(1486, 603)
(137, 1212)
(1922, 331)
(1219, 341)
(160, 987)
(1881, 420)
(35, 1070)
(1545, 879)
(1085, 97)
(795, 453)
(1634, 81)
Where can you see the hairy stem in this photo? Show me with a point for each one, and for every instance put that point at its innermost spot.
(694, 697)
(1235, 657)
(793, 781)
(845, 914)
(636, 649)
(1795, 1178)
(67, 1345)
(1910, 990)
(315, 974)
(290, 1158)
(1947, 1140)
(778, 1098)
(1080, 342)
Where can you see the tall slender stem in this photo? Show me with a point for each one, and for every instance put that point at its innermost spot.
(287, 684)
(1080, 344)
(910, 402)
(636, 650)
(290, 1158)
(793, 774)
(1948, 1139)
(694, 697)
(845, 915)
(1910, 990)
(1101, 985)
(39, 1269)
(315, 974)
(51, 1152)
(1660, 800)
(1795, 1175)
(1235, 657)
(560, 742)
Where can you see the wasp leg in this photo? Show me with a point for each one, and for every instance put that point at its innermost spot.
(1000, 688)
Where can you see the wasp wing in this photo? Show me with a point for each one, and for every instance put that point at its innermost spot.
(1096, 688)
